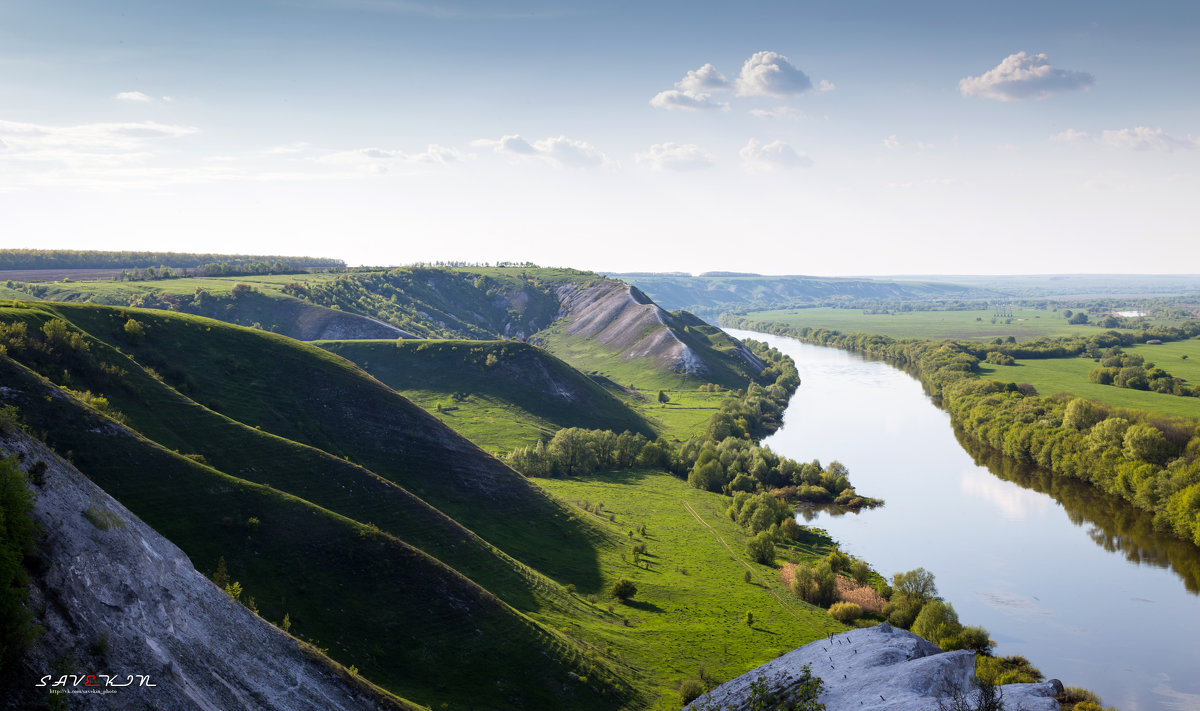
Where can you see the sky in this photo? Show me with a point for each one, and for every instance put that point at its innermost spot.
(826, 138)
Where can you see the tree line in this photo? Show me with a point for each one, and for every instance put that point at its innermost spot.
(725, 459)
(91, 259)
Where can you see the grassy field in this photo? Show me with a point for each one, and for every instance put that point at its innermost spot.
(689, 612)
(1022, 324)
(1070, 375)
(498, 394)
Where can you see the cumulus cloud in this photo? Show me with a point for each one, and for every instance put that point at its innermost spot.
(560, 151)
(686, 101)
(1023, 76)
(771, 74)
(776, 154)
(675, 156)
(706, 78)
(1142, 138)
(134, 96)
(693, 92)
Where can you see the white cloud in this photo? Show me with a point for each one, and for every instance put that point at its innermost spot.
(776, 154)
(675, 156)
(686, 101)
(771, 74)
(1071, 136)
(706, 78)
(1139, 138)
(893, 143)
(298, 147)
(134, 96)
(382, 160)
(1022, 76)
(560, 151)
(824, 86)
(1142, 138)
(780, 112)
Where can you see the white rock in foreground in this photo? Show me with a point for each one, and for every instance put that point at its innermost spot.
(118, 599)
(879, 668)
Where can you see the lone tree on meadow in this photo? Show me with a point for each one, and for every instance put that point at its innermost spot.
(663, 398)
(623, 589)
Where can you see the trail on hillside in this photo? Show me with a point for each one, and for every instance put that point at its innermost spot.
(778, 598)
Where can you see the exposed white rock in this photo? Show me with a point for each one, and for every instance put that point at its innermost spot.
(879, 668)
(118, 599)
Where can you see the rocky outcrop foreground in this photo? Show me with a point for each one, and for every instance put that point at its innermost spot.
(879, 668)
(130, 624)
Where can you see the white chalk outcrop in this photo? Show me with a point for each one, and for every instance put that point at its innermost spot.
(879, 668)
(117, 599)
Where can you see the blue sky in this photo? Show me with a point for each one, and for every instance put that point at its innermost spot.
(830, 138)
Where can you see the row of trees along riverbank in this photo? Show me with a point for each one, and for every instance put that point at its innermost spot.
(1150, 460)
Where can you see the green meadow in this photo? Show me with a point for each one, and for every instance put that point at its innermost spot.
(1070, 375)
(690, 609)
(977, 324)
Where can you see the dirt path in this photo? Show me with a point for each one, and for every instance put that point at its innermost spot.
(778, 598)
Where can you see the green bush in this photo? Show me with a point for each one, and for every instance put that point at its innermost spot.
(761, 549)
(690, 690)
(623, 589)
(845, 612)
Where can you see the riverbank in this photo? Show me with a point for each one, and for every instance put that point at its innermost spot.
(1149, 460)
(1023, 564)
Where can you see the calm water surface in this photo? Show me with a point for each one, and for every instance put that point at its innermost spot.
(1076, 581)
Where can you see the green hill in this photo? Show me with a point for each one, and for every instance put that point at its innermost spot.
(445, 639)
(305, 394)
(496, 393)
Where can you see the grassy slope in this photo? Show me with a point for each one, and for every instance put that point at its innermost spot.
(1070, 375)
(691, 603)
(337, 579)
(305, 394)
(513, 401)
(164, 415)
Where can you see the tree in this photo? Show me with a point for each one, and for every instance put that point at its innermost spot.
(938, 623)
(917, 584)
(662, 397)
(845, 612)
(1081, 414)
(1145, 442)
(134, 331)
(761, 549)
(623, 589)
(1079, 318)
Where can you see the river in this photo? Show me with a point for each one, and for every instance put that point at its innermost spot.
(1074, 580)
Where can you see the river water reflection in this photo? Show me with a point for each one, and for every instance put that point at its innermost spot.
(1075, 580)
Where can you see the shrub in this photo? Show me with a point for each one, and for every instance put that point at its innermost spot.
(761, 549)
(845, 612)
(690, 690)
(623, 589)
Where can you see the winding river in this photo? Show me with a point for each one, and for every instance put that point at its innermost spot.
(1075, 580)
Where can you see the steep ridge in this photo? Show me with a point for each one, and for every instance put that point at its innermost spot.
(407, 621)
(303, 393)
(164, 415)
(118, 599)
(548, 392)
(627, 324)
